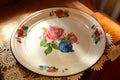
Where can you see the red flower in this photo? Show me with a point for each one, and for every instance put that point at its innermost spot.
(59, 12)
(72, 37)
(97, 33)
(20, 33)
(53, 33)
(52, 69)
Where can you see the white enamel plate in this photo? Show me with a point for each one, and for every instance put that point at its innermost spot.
(58, 42)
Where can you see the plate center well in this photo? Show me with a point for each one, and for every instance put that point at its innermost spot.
(57, 58)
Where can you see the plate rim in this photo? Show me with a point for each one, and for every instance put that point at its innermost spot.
(39, 11)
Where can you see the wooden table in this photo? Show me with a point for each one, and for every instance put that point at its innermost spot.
(12, 14)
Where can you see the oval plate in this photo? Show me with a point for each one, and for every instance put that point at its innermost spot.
(58, 42)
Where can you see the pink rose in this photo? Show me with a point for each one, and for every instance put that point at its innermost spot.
(72, 37)
(53, 33)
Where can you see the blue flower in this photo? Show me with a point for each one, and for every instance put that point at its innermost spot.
(97, 40)
(66, 15)
(25, 28)
(43, 67)
(65, 46)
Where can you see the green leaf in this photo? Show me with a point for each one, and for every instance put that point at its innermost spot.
(72, 51)
(54, 45)
(43, 28)
(25, 34)
(48, 50)
(46, 45)
(65, 38)
(43, 42)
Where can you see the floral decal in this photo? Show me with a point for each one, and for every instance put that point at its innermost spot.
(55, 38)
(53, 33)
(60, 13)
(65, 46)
(66, 69)
(49, 68)
(96, 34)
(21, 32)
